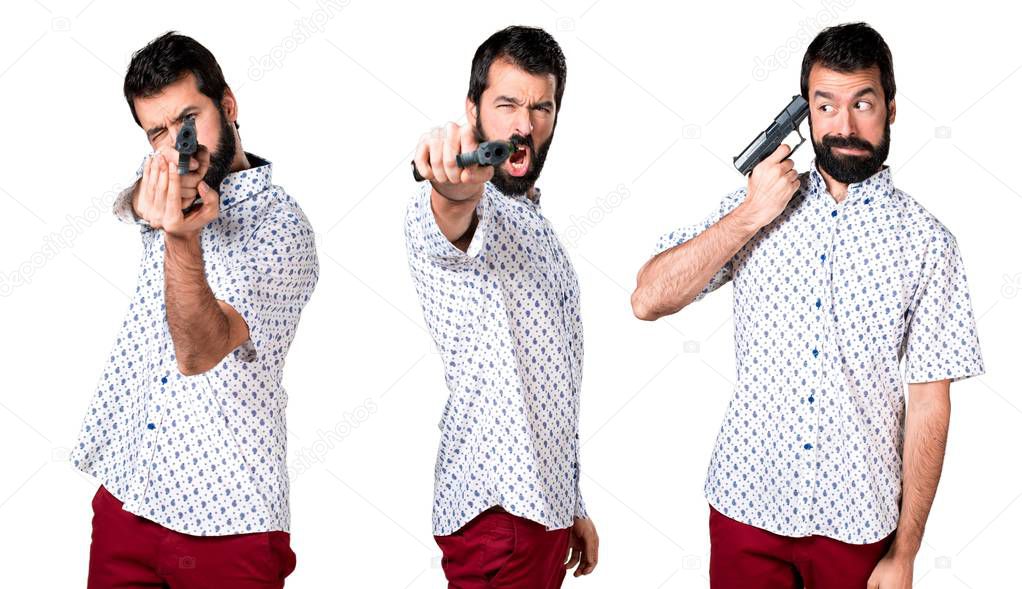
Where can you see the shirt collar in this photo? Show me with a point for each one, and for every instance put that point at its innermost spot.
(244, 184)
(876, 186)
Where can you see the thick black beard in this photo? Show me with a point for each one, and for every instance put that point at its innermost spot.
(849, 169)
(517, 185)
(220, 159)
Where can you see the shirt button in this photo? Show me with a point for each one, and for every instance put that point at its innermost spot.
(823, 257)
(833, 213)
(815, 352)
(808, 446)
(164, 380)
(818, 303)
(811, 399)
(151, 426)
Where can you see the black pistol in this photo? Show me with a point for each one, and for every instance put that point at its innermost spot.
(786, 122)
(187, 144)
(489, 153)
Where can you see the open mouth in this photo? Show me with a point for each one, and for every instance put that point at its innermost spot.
(518, 163)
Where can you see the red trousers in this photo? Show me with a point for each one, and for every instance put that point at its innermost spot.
(497, 550)
(130, 552)
(747, 557)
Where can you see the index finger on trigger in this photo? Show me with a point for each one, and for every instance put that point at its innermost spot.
(783, 150)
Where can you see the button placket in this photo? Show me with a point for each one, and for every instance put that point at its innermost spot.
(825, 316)
(153, 421)
(820, 300)
(823, 302)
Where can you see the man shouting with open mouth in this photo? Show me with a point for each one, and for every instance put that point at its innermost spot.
(501, 300)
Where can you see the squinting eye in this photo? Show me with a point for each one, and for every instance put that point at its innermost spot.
(505, 106)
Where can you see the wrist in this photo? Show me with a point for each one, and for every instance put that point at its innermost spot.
(183, 247)
(744, 220)
(903, 551)
(453, 197)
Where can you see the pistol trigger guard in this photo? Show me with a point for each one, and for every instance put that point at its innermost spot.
(802, 140)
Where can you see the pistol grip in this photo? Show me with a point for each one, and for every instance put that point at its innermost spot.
(183, 162)
(197, 203)
(415, 173)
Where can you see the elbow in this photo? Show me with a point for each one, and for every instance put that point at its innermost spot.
(193, 359)
(642, 303)
(187, 368)
(192, 365)
(641, 307)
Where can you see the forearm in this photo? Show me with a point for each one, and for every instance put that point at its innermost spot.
(673, 278)
(926, 427)
(455, 218)
(198, 326)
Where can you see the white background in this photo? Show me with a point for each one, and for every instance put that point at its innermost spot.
(659, 98)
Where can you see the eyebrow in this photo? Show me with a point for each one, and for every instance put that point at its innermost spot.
(185, 112)
(859, 94)
(545, 104)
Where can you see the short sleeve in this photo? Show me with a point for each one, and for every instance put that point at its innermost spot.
(685, 233)
(269, 283)
(580, 507)
(423, 235)
(940, 338)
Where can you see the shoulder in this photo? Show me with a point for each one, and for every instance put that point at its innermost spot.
(281, 216)
(921, 225)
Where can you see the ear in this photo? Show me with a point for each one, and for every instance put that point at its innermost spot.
(230, 106)
(892, 110)
(471, 112)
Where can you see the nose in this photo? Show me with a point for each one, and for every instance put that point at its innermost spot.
(523, 122)
(845, 123)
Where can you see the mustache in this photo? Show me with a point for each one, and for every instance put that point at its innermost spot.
(527, 141)
(848, 142)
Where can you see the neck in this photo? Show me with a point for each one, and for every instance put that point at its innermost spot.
(240, 161)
